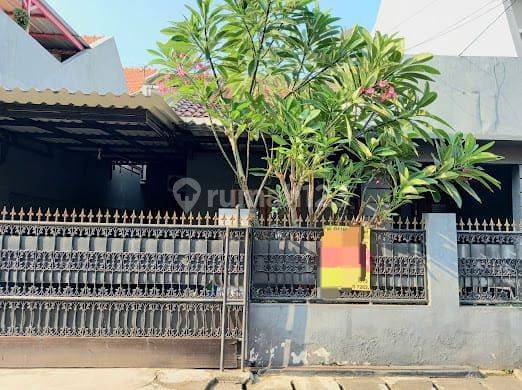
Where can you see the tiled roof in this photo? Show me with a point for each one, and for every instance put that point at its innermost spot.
(135, 77)
(90, 39)
(186, 108)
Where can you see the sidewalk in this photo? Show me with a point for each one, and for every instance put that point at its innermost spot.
(156, 379)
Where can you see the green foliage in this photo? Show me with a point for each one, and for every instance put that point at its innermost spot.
(21, 17)
(333, 109)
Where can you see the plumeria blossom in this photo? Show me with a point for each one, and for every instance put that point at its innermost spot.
(383, 83)
(200, 66)
(181, 72)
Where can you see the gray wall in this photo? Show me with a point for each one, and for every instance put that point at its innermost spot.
(26, 64)
(481, 95)
(441, 333)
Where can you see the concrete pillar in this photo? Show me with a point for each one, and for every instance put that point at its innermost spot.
(516, 188)
(442, 265)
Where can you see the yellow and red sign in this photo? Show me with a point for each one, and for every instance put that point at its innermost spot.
(345, 258)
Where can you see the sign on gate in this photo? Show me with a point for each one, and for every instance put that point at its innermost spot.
(345, 258)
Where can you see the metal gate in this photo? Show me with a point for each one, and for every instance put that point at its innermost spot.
(115, 284)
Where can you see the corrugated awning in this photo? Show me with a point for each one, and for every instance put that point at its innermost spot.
(119, 127)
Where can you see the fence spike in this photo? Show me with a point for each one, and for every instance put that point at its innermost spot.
(484, 225)
(48, 214)
(56, 215)
(183, 218)
(507, 226)
(199, 218)
(30, 214)
(133, 216)
(124, 216)
(166, 218)
(116, 216)
(73, 215)
(150, 217)
(461, 224)
(21, 214)
(269, 220)
(4, 213)
(141, 217)
(38, 214)
(414, 223)
(158, 217)
(107, 216)
(207, 218)
(215, 219)
(262, 220)
(99, 216)
(190, 218)
(12, 214)
(65, 215)
(174, 218)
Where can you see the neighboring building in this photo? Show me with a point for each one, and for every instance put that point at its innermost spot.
(51, 55)
(448, 27)
(477, 48)
(135, 78)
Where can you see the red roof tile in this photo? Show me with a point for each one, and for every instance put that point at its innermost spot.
(135, 77)
(90, 39)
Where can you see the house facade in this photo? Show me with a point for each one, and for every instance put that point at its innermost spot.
(101, 266)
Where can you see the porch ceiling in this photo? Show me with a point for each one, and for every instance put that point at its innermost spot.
(122, 128)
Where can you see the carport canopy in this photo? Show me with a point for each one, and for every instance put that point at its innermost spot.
(121, 128)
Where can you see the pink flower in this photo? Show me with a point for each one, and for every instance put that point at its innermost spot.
(200, 66)
(391, 94)
(370, 91)
(383, 83)
(181, 72)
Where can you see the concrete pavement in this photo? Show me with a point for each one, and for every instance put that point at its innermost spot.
(157, 379)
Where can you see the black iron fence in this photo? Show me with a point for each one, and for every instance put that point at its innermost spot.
(104, 279)
(140, 275)
(286, 261)
(490, 262)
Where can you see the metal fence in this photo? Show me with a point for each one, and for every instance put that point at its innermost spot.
(64, 277)
(286, 261)
(490, 262)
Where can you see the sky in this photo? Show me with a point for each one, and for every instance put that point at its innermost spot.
(135, 24)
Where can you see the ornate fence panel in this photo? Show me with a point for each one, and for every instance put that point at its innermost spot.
(286, 261)
(490, 263)
(122, 280)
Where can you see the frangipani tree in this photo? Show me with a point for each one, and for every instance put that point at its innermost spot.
(333, 109)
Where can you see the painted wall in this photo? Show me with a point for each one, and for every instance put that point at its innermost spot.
(447, 27)
(441, 333)
(25, 64)
(481, 95)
